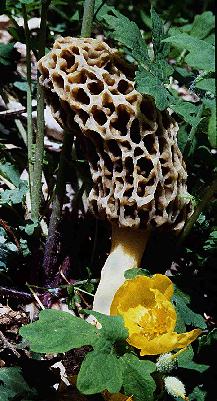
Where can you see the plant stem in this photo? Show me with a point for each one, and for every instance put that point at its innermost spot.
(50, 255)
(208, 194)
(87, 18)
(192, 133)
(29, 99)
(39, 145)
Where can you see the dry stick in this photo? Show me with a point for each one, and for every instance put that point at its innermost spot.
(39, 145)
(29, 98)
(208, 194)
(50, 254)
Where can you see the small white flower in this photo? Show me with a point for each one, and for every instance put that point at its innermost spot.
(175, 387)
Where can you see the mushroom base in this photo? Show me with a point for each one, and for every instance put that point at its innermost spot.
(126, 253)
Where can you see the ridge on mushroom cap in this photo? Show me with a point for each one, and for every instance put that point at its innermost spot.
(138, 172)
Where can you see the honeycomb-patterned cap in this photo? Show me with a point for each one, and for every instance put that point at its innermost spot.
(139, 176)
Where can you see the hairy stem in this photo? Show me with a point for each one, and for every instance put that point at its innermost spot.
(208, 194)
(39, 145)
(29, 99)
(127, 248)
(87, 18)
(50, 254)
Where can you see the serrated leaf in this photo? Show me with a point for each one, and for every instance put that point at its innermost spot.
(201, 54)
(124, 31)
(185, 360)
(197, 395)
(12, 384)
(147, 83)
(203, 24)
(58, 331)
(207, 84)
(137, 379)
(188, 111)
(187, 315)
(212, 133)
(100, 372)
(160, 49)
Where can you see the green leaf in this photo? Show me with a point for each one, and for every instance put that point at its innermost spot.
(188, 111)
(185, 360)
(58, 331)
(6, 53)
(12, 384)
(112, 330)
(160, 49)
(197, 395)
(137, 379)
(147, 83)
(203, 24)
(132, 273)
(9, 171)
(206, 84)
(100, 372)
(212, 134)
(14, 196)
(208, 339)
(187, 315)
(125, 31)
(201, 54)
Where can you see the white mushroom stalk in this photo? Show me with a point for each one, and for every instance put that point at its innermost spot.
(127, 249)
(139, 177)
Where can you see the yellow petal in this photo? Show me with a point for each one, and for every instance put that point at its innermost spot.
(132, 293)
(158, 345)
(184, 339)
(132, 318)
(163, 284)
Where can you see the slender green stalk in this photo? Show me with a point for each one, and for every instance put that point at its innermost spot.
(192, 133)
(87, 18)
(208, 194)
(29, 99)
(39, 145)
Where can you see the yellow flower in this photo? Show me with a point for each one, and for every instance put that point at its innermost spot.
(150, 317)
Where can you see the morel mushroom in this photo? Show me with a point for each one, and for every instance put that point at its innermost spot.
(139, 177)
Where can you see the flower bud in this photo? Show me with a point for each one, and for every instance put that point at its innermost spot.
(166, 362)
(175, 387)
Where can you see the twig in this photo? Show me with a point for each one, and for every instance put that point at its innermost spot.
(35, 296)
(12, 293)
(10, 232)
(39, 145)
(10, 113)
(21, 130)
(208, 194)
(8, 345)
(29, 99)
(87, 18)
